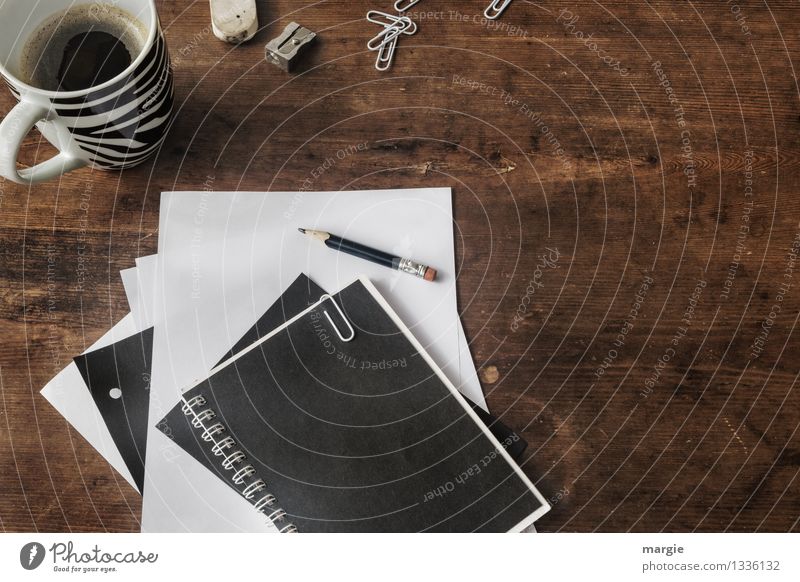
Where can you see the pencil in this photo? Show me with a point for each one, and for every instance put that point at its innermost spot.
(402, 264)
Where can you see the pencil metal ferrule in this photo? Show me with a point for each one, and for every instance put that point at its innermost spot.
(412, 268)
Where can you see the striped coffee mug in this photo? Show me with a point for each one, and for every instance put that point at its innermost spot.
(112, 125)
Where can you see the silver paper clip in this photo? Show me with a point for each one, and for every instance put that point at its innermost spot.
(386, 55)
(389, 33)
(495, 9)
(403, 5)
(386, 19)
(385, 42)
(350, 329)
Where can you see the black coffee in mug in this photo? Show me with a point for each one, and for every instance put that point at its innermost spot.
(65, 61)
(82, 47)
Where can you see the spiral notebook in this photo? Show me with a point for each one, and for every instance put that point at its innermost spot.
(339, 421)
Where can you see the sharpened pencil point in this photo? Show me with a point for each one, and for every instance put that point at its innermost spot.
(317, 234)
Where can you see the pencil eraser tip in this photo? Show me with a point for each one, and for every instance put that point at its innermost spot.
(430, 274)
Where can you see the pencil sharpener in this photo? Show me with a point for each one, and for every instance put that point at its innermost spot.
(284, 50)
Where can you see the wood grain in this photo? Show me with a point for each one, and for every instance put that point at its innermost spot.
(546, 147)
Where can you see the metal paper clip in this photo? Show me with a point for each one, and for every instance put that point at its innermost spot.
(382, 18)
(495, 9)
(403, 5)
(389, 33)
(385, 19)
(282, 51)
(385, 42)
(386, 55)
(349, 338)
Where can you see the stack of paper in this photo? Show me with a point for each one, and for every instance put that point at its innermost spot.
(223, 260)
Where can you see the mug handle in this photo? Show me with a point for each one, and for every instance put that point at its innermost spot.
(13, 129)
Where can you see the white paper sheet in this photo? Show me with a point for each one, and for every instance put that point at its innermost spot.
(146, 272)
(130, 282)
(225, 257)
(68, 394)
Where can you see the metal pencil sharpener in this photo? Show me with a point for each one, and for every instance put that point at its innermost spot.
(284, 50)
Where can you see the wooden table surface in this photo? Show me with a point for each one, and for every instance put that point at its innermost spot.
(625, 193)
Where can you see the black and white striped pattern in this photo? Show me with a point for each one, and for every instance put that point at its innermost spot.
(121, 125)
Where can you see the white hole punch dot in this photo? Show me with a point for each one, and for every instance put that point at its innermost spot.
(115, 393)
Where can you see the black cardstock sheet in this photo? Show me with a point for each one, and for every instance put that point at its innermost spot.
(355, 436)
(118, 377)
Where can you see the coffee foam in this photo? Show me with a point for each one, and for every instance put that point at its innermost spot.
(44, 49)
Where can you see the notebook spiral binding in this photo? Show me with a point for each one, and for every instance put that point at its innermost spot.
(233, 459)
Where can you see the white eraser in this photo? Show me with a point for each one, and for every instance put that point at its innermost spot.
(234, 21)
